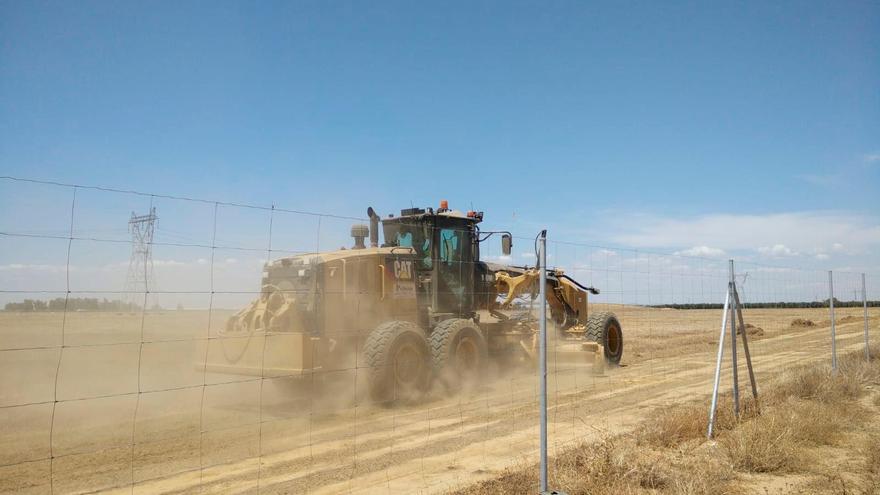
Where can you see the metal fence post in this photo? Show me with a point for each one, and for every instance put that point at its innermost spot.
(833, 326)
(542, 352)
(730, 289)
(865, 307)
(745, 339)
(715, 387)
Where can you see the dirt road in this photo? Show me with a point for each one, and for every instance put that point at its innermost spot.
(246, 435)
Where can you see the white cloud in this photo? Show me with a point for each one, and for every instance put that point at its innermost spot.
(822, 256)
(34, 267)
(703, 252)
(499, 259)
(777, 251)
(168, 263)
(797, 231)
(820, 179)
(772, 269)
(871, 157)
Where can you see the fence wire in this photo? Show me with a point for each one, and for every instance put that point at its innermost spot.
(161, 384)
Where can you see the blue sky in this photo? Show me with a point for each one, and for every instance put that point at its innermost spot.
(747, 129)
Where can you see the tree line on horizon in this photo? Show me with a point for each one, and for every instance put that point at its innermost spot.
(71, 304)
(95, 304)
(770, 305)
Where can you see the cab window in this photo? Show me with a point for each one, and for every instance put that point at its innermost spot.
(404, 239)
(450, 246)
(410, 236)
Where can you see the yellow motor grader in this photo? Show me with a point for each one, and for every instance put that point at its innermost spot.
(421, 306)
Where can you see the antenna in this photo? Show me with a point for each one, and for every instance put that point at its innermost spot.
(141, 278)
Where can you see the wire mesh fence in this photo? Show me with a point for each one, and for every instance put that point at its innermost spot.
(239, 348)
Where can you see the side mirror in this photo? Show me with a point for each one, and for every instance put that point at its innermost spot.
(506, 244)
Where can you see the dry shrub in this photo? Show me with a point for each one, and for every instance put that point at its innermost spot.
(522, 479)
(597, 469)
(874, 351)
(764, 445)
(673, 426)
(680, 424)
(702, 471)
(807, 405)
(818, 384)
(618, 465)
(821, 423)
(610, 466)
(855, 364)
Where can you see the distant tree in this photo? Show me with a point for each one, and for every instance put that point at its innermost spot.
(780, 304)
(60, 304)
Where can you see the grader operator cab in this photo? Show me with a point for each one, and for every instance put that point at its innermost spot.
(421, 306)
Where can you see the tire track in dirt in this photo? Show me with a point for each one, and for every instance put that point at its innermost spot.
(438, 446)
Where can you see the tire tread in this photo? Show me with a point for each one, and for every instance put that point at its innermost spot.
(377, 349)
(596, 324)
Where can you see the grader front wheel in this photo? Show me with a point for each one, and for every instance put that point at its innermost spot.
(605, 329)
(397, 355)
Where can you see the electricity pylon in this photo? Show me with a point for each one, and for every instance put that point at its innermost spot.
(141, 279)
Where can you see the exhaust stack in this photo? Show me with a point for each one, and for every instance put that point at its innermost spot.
(374, 227)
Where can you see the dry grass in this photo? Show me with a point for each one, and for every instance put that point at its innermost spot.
(674, 426)
(819, 384)
(764, 445)
(822, 424)
(617, 465)
(807, 409)
(854, 364)
(779, 440)
(864, 482)
(610, 463)
(807, 406)
(871, 452)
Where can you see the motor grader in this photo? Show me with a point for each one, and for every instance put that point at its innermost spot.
(419, 308)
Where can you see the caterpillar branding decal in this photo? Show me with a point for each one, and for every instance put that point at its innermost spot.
(403, 269)
(404, 280)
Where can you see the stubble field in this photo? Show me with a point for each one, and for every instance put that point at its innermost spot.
(124, 401)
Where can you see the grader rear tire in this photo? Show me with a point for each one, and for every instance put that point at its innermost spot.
(604, 328)
(398, 359)
(459, 354)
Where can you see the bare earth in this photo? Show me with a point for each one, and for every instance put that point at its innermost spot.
(132, 405)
